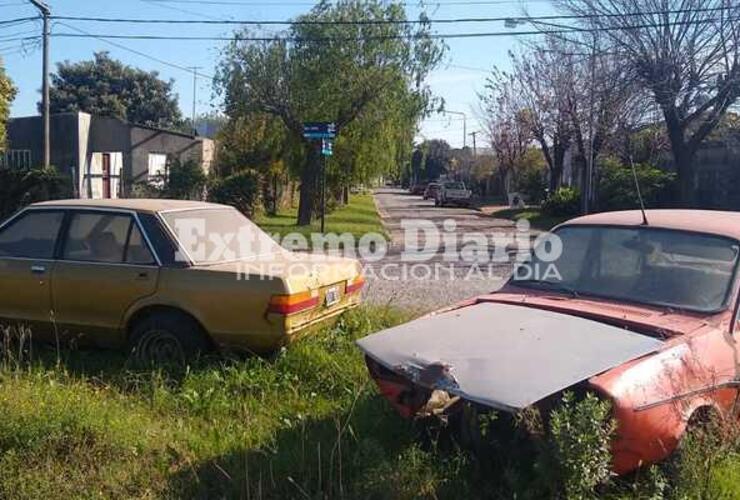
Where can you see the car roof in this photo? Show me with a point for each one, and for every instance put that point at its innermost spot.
(702, 221)
(137, 204)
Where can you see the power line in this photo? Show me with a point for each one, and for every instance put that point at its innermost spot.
(183, 11)
(412, 36)
(460, 20)
(134, 51)
(19, 20)
(312, 4)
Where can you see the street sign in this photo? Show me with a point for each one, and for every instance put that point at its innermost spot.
(327, 147)
(319, 130)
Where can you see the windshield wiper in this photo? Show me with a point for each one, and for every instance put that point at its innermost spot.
(550, 285)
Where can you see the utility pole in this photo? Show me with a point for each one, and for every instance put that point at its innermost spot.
(475, 150)
(195, 90)
(588, 178)
(45, 14)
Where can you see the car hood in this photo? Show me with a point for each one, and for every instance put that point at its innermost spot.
(504, 356)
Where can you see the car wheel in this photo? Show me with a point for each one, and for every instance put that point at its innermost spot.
(167, 338)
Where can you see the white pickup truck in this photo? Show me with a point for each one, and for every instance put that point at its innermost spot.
(453, 193)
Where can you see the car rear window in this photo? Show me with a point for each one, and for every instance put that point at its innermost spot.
(216, 235)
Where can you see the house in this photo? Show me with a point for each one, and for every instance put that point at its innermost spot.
(104, 155)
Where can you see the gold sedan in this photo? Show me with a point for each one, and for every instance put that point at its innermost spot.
(167, 278)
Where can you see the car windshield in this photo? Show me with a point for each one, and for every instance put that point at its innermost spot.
(454, 185)
(675, 269)
(219, 235)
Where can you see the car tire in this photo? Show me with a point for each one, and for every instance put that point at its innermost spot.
(167, 338)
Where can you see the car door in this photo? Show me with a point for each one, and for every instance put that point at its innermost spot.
(27, 246)
(105, 266)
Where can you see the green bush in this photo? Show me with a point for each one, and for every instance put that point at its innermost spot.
(617, 189)
(240, 190)
(564, 202)
(23, 186)
(532, 183)
(186, 181)
(581, 434)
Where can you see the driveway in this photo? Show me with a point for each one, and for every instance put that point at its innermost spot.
(395, 281)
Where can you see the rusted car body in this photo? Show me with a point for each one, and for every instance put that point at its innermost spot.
(660, 363)
(118, 272)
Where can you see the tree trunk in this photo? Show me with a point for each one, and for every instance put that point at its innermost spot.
(345, 195)
(685, 170)
(310, 189)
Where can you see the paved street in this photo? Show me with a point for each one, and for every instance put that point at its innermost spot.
(406, 285)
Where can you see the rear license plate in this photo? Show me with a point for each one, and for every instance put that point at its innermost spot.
(332, 296)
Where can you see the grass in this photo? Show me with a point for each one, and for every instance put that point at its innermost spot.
(358, 217)
(307, 423)
(303, 423)
(534, 215)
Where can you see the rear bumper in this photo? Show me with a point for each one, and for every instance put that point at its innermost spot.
(296, 327)
(277, 330)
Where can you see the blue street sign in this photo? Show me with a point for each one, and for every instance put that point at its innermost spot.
(319, 130)
(327, 147)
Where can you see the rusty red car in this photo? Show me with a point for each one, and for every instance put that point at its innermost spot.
(643, 312)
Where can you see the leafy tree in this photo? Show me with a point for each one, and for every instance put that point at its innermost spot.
(617, 190)
(7, 94)
(438, 158)
(240, 190)
(107, 87)
(331, 72)
(185, 180)
(22, 186)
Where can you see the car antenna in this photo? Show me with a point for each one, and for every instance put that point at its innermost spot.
(639, 193)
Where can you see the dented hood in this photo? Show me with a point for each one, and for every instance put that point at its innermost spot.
(504, 356)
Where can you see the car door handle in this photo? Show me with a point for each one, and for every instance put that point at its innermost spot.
(38, 269)
(143, 275)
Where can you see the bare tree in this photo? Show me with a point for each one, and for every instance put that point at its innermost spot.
(685, 53)
(507, 125)
(545, 86)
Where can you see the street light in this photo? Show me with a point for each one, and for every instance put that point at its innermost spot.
(465, 123)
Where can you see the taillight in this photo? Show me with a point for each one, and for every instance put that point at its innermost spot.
(297, 302)
(355, 284)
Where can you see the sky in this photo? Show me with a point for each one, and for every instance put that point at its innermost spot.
(458, 80)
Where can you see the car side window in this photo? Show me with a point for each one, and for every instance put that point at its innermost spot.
(137, 252)
(97, 237)
(32, 235)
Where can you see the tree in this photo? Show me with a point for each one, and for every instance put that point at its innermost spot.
(107, 87)
(685, 53)
(546, 87)
(328, 71)
(438, 158)
(507, 122)
(7, 94)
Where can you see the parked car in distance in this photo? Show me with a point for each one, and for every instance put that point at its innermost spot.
(432, 191)
(418, 188)
(643, 315)
(453, 193)
(166, 278)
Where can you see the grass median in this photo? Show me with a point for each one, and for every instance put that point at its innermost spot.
(534, 215)
(358, 217)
